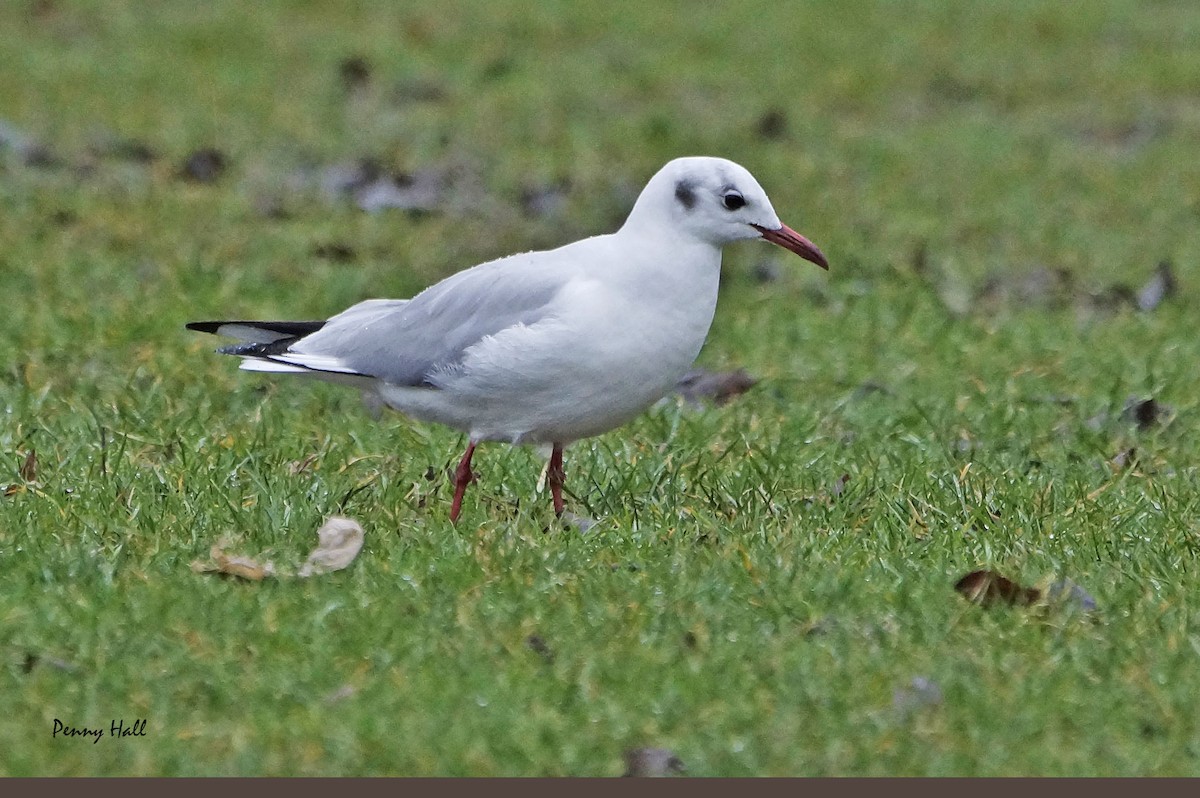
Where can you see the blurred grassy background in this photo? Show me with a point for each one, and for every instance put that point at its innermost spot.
(991, 183)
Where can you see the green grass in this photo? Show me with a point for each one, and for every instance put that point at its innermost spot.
(725, 606)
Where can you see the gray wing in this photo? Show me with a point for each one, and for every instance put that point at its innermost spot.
(404, 341)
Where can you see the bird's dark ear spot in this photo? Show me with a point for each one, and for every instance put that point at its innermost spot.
(685, 192)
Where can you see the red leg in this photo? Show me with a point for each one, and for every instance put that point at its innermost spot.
(555, 476)
(463, 476)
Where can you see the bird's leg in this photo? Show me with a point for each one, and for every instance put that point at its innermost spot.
(463, 476)
(554, 475)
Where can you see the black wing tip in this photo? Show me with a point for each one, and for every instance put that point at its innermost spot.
(297, 329)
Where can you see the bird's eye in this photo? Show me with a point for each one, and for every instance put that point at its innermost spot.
(733, 200)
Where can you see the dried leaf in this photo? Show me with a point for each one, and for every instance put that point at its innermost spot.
(720, 387)
(234, 565)
(988, 588)
(339, 541)
(29, 468)
(652, 762)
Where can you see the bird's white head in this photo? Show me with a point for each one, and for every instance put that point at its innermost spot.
(716, 201)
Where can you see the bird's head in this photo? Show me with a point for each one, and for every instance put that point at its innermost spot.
(717, 201)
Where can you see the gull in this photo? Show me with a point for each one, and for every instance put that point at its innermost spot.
(548, 347)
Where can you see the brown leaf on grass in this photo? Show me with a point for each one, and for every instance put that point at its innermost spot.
(719, 386)
(1161, 286)
(340, 540)
(234, 565)
(652, 762)
(988, 588)
(29, 468)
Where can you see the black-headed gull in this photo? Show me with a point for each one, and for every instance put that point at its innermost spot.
(543, 347)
